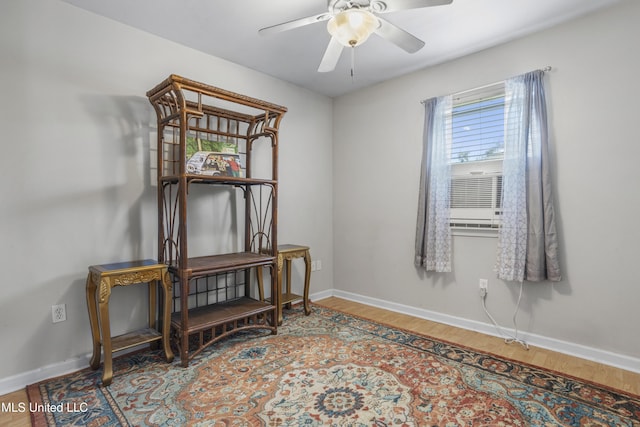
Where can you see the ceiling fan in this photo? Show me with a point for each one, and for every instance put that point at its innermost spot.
(351, 22)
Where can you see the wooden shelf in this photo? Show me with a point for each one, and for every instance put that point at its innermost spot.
(221, 180)
(132, 339)
(226, 262)
(210, 316)
(287, 298)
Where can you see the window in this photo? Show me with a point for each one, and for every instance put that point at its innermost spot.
(477, 149)
(504, 187)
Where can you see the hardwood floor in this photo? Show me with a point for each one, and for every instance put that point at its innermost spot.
(15, 418)
(587, 370)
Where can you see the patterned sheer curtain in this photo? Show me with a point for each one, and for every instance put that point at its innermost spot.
(433, 234)
(527, 240)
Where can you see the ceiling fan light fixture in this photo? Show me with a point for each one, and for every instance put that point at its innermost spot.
(352, 27)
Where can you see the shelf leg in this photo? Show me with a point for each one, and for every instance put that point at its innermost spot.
(260, 282)
(167, 287)
(184, 315)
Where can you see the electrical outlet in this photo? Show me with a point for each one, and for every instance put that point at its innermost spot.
(484, 285)
(314, 265)
(318, 264)
(58, 313)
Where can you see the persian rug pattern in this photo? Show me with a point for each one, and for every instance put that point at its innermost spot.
(330, 369)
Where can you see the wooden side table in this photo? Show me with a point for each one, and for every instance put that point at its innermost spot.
(107, 276)
(286, 254)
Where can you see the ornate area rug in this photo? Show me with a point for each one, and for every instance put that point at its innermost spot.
(329, 369)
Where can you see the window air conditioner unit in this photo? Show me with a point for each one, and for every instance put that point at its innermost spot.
(476, 201)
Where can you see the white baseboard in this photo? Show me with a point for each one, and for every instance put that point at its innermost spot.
(322, 295)
(16, 382)
(627, 363)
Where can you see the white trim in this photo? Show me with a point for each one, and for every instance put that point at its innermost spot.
(19, 381)
(620, 361)
(322, 295)
(16, 382)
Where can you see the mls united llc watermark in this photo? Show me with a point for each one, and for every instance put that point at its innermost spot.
(20, 407)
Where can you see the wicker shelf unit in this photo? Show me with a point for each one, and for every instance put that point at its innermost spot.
(216, 140)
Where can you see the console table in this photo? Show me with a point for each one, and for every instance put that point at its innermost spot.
(105, 277)
(286, 254)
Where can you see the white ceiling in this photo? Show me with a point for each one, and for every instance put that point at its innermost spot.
(229, 30)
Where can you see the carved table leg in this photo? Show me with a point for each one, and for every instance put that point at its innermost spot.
(279, 289)
(287, 267)
(307, 280)
(105, 326)
(93, 320)
(153, 307)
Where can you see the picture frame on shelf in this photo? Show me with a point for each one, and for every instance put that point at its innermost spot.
(211, 163)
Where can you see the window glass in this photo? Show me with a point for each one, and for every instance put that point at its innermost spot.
(478, 130)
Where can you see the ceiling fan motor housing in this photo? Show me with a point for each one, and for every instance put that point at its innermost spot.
(352, 27)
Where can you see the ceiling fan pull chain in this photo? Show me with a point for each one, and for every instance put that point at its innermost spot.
(353, 62)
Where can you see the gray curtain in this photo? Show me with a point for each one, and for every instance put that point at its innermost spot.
(527, 241)
(433, 233)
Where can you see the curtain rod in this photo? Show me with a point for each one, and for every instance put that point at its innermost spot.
(544, 70)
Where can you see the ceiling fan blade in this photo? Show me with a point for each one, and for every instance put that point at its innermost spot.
(290, 25)
(398, 36)
(331, 56)
(384, 6)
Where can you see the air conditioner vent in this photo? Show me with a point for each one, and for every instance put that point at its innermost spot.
(476, 201)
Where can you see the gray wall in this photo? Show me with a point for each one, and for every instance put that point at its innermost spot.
(593, 94)
(76, 189)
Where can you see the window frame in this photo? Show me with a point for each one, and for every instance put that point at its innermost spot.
(475, 168)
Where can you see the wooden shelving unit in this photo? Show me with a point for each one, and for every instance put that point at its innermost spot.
(208, 137)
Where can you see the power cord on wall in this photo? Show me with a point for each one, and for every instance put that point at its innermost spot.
(507, 337)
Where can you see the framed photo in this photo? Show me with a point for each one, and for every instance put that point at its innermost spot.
(212, 163)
